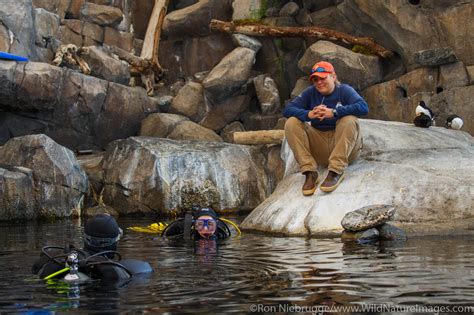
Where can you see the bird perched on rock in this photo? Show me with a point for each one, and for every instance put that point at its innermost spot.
(424, 116)
(454, 122)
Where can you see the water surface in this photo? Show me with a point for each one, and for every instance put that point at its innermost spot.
(246, 273)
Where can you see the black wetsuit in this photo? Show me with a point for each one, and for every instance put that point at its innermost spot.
(176, 230)
(95, 266)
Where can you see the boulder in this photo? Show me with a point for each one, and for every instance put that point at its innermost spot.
(247, 42)
(248, 9)
(358, 70)
(189, 102)
(407, 29)
(160, 125)
(397, 99)
(58, 7)
(152, 175)
(188, 130)
(389, 232)
(18, 18)
(427, 174)
(47, 29)
(16, 190)
(267, 94)
(106, 67)
(435, 57)
(396, 25)
(78, 111)
(256, 121)
(102, 15)
(367, 217)
(193, 20)
(183, 57)
(457, 29)
(227, 78)
(227, 133)
(4, 38)
(123, 40)
(455, 101)
(289, 9)
(300, 86)
(222, 114)
(361, 237)
(53, 184)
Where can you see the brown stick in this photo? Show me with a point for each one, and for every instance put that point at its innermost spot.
(259, 137)
(287, 31)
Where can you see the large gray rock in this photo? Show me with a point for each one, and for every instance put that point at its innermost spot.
(227, 78)
(16, 191)
(53, 184)
(407, 29)
(189, 102)
(427, 174)
(367, 217)
(443, 89)
(247, 42)
(146, 175)
(267, 94)
(17, 17)
(76, 110)
(188, 130)
(435, 57)
(106, 67)
(183, 57)
(160, 125)
(103, 15)
(358, 70)
(47, 29)
(222, 114)
(194, 20)
(248, 9)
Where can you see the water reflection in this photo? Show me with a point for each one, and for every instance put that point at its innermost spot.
(234, 274)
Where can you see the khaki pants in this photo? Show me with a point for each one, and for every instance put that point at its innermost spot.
(334, 148)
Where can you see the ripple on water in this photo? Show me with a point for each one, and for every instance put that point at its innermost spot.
(242, 271)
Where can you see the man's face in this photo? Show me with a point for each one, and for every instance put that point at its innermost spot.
(326, 85)
(206, 226)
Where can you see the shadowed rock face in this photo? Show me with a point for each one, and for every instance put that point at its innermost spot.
(426, 173)
(76, 110)
(143, 174)
(38, 177)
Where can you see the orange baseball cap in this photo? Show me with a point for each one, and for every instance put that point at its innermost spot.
(321, 69)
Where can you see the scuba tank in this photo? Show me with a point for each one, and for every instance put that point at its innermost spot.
(79, 265)
(74, 275)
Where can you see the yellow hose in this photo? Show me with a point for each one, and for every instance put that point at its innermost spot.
(233, 224)
(56, 273)
(152, 228)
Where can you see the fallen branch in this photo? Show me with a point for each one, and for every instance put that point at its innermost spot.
(254, 29)
(151, 43)
(259, 137)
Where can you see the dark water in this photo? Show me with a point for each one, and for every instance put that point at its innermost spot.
(247, 273)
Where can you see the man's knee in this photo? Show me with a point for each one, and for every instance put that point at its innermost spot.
(293, 123)
(347, 121)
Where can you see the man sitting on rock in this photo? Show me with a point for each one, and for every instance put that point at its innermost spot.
(333, 137)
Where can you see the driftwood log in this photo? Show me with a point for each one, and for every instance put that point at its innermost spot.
(259, 137)
(147, 65)
(254, 29)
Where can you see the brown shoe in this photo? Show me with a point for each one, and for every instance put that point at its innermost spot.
(331, 182)
(309, 186)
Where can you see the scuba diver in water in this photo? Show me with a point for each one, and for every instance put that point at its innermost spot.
(202, 224)
(97, 260)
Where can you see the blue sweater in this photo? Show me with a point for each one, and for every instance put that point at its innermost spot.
(344, 98)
